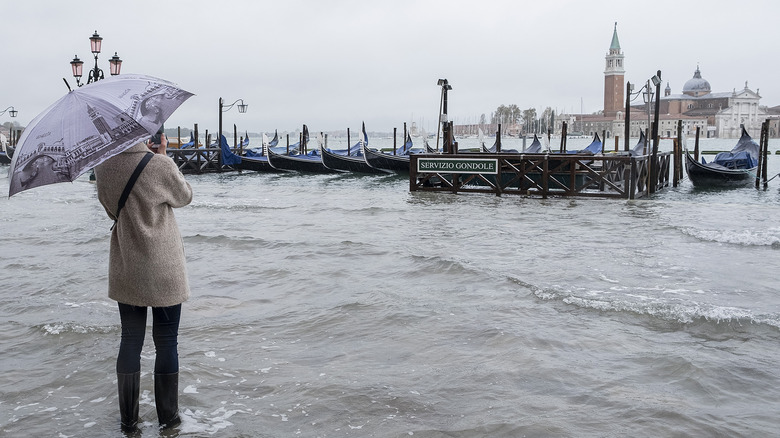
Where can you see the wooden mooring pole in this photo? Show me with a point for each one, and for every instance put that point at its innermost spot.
(766, 155)
(678, 155)
(628, 117)
(760, 155)
(564, 132)
(197, 151)
(498, 139)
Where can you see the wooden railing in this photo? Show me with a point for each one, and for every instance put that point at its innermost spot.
(197, 160)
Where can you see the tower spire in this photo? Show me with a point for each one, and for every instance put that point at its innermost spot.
(615, 42)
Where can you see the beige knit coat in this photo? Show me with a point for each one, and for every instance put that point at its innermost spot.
(146, 264)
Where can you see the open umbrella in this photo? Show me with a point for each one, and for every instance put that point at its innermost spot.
(90, 125)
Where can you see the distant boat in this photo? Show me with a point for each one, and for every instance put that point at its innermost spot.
(735, 167)
(349, 160)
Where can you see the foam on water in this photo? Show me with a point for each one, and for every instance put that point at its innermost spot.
(62, 328)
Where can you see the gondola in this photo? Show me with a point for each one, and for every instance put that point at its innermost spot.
(535, 147)
(255, 163)
(298, 160)
(349, 160)
(260, 152)
(398, 162)
(310, 162)
(593, 148)
(735, 167)
(494, 148)
(245, 141)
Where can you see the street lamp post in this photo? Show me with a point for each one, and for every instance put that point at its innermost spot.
(222, 109)
(647, 96)
(654, 169)
(443, 119)
(96, 74)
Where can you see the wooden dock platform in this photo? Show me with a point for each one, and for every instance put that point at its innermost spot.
(604, 176)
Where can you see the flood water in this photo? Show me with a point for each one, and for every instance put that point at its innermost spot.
(346, 306)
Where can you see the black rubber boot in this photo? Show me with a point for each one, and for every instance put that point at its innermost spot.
(166, 395)
(129, 386)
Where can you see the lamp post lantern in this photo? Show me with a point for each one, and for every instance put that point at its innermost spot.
(11, 111)
(96, 74)
(223, 109)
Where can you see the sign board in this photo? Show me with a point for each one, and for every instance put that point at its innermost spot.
(458, 165)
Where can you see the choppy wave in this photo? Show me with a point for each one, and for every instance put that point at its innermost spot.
(746, 237)
(235, 242)
(236, 205)
(685, 313)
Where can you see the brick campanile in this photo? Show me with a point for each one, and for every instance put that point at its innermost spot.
(614, 78)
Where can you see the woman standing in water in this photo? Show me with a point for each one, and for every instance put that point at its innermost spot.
(147, 268)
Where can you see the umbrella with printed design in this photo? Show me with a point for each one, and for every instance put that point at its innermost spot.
(90, 125)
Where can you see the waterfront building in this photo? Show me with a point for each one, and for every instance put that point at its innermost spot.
(718, 114)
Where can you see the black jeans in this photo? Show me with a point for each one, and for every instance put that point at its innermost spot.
(165, 332)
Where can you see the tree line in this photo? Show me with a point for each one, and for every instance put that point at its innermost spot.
(530, 121)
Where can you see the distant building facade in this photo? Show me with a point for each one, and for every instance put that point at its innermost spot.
(725, 112)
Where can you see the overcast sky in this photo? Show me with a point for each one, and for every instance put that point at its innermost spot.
(333, 64)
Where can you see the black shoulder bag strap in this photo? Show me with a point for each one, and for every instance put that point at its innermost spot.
(130, 184)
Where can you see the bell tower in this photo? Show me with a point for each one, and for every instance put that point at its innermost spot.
(614, 78)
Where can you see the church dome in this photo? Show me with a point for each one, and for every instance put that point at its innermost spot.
(697, 86)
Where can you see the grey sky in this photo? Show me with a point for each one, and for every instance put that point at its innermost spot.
(333, 64)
